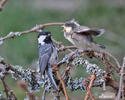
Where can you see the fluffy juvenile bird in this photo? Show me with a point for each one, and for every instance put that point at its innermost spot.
(47, 55)
(82, 36)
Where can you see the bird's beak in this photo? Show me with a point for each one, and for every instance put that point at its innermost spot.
(64, 28)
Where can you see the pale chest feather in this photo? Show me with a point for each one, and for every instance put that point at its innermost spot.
(77, 40)
(69, 37)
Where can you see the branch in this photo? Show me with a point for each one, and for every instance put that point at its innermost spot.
(2, 3)
(34, 29)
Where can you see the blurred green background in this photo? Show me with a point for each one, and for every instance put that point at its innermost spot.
(20, 15)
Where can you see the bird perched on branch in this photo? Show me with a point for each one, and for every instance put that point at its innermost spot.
(82, 36)
(47, 56)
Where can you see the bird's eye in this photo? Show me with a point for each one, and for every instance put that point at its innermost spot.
(49, 35)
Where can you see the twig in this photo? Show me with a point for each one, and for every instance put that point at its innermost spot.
(66, 72)
(92, 78)
(121, 81)
(2, 3)
(62, 47)
(62, 81)
(34, 29)
(113, 57)
(6, 89)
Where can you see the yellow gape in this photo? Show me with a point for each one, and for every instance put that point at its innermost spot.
(67, 29)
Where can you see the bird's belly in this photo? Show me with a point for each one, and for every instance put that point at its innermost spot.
(80, 42)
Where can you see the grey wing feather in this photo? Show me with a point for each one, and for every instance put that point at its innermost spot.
(43, 62)
(44, 56)
(88, 31)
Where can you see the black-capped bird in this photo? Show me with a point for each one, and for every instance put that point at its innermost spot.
(82, 36)
(47, 56)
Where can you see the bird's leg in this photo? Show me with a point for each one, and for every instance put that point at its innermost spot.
(77, 52)
(65, 59)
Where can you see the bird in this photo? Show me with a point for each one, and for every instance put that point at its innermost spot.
(47, 56)
(82, 36)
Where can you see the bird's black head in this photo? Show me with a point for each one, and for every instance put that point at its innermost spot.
(72, 23)
(44, 37)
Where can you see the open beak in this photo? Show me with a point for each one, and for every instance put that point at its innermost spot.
(64, 28)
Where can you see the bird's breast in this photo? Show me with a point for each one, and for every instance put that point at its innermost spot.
(69, 38)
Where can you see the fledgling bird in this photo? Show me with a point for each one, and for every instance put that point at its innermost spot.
(47, 56)
(82, 36)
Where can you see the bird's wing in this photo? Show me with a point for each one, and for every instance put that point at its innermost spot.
(88, 31)
(44, 56)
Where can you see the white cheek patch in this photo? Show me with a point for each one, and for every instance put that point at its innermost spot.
(41, 40)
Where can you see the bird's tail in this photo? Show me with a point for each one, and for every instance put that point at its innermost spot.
(99, 45)
(49, 72)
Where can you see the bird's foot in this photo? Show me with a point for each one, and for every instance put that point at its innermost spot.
(64, 60)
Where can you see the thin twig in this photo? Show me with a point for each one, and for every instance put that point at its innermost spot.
(92, 78)
(61, 80)
(2, 3)
(34, 29)
(121, 81)
(66, 72)
(62, 47)
(113, 57)
(6, 89)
